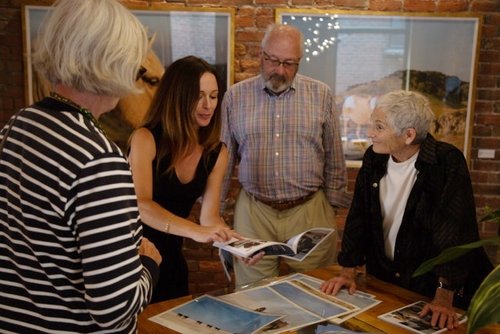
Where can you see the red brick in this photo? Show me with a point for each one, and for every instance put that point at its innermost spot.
(491, 44)
(489, 31)
(386, 5)
(486, 165)
(203, 288)
(492, 18)
(485, 6)
(452, 5)
(420, 5)
(325, 2)
(210, 266)
(489, 229)
(483, 200)
(245, 21)
(303, 2)
(486, 81)
(239, 50)
(494, 177)
(245, 12)
(269, 2)
(251, 64)
(478, 176)
(488, 189)
(242, 76)
(249, 36)
(264, 11)
(483, 107)
(236, 3)
(202, 2)
(481, 131)
(487, 143)
(192, 264)
(200, 276)
(197, 253)
(488, 120)
(352, 3)
(263, 22)
(488, 94)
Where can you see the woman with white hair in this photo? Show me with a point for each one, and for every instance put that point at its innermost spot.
(413, 198)
(72, 256)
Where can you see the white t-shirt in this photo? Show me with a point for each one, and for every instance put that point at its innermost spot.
(395, 188)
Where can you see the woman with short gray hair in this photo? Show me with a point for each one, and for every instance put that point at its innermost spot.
(413, 199)
(405, 110)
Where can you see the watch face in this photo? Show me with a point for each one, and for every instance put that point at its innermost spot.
(443, 285)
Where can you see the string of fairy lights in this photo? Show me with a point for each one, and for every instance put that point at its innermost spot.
(321, 33)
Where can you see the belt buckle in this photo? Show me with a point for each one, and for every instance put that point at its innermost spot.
(285, 205)
(280, 206)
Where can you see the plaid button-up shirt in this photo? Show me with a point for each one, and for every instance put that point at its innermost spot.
(288, 145)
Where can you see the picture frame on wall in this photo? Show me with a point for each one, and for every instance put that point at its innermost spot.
(363, 55)
(174, 32)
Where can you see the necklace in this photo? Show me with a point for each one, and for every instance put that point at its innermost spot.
(84, 111)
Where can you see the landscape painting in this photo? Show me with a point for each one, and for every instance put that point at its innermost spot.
(363, 55)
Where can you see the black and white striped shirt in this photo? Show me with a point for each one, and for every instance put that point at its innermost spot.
(69, 228)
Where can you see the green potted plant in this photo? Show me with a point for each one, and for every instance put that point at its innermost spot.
(484, 308)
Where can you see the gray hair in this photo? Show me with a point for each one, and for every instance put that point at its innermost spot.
(283, 29)
(94, 46)
(405, 109)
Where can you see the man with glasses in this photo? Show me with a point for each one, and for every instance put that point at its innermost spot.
(283, 128)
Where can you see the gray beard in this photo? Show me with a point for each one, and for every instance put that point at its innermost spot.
(276, 87)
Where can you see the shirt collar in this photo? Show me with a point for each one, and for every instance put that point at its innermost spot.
(53, 104)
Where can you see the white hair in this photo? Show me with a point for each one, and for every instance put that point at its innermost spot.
(94, 46)
(405, 109)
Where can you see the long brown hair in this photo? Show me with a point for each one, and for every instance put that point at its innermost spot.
(173, 107)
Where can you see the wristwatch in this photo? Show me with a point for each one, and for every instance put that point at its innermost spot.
(444, 285)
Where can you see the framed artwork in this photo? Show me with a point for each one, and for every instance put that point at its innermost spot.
(363, 55)
(174, 32)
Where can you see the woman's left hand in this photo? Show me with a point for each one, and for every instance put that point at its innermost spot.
(441, 308)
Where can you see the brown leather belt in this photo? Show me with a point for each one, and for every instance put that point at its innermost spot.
(284, 205)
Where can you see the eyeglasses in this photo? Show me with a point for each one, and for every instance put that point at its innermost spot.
(275, 62)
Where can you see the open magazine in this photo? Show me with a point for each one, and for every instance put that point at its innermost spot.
(407, 317)
(296, 248)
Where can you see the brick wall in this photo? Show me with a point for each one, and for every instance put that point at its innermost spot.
(252, 16)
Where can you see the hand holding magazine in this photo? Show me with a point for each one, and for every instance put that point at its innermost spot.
(296, 248)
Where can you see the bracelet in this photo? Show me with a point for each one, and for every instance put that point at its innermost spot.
(169, 221)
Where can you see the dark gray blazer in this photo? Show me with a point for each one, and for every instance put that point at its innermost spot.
(440, 213)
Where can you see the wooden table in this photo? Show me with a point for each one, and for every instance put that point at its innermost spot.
(392, 297)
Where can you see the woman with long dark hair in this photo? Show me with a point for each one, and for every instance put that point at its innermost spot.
(176, 156)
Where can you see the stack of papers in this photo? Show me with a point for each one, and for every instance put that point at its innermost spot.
(284, 305)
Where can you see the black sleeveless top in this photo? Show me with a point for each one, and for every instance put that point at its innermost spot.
(173, 195)
(179, 199)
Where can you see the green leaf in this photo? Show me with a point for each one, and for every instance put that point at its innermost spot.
(452, 253)
(484, 308)
(494, 216)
